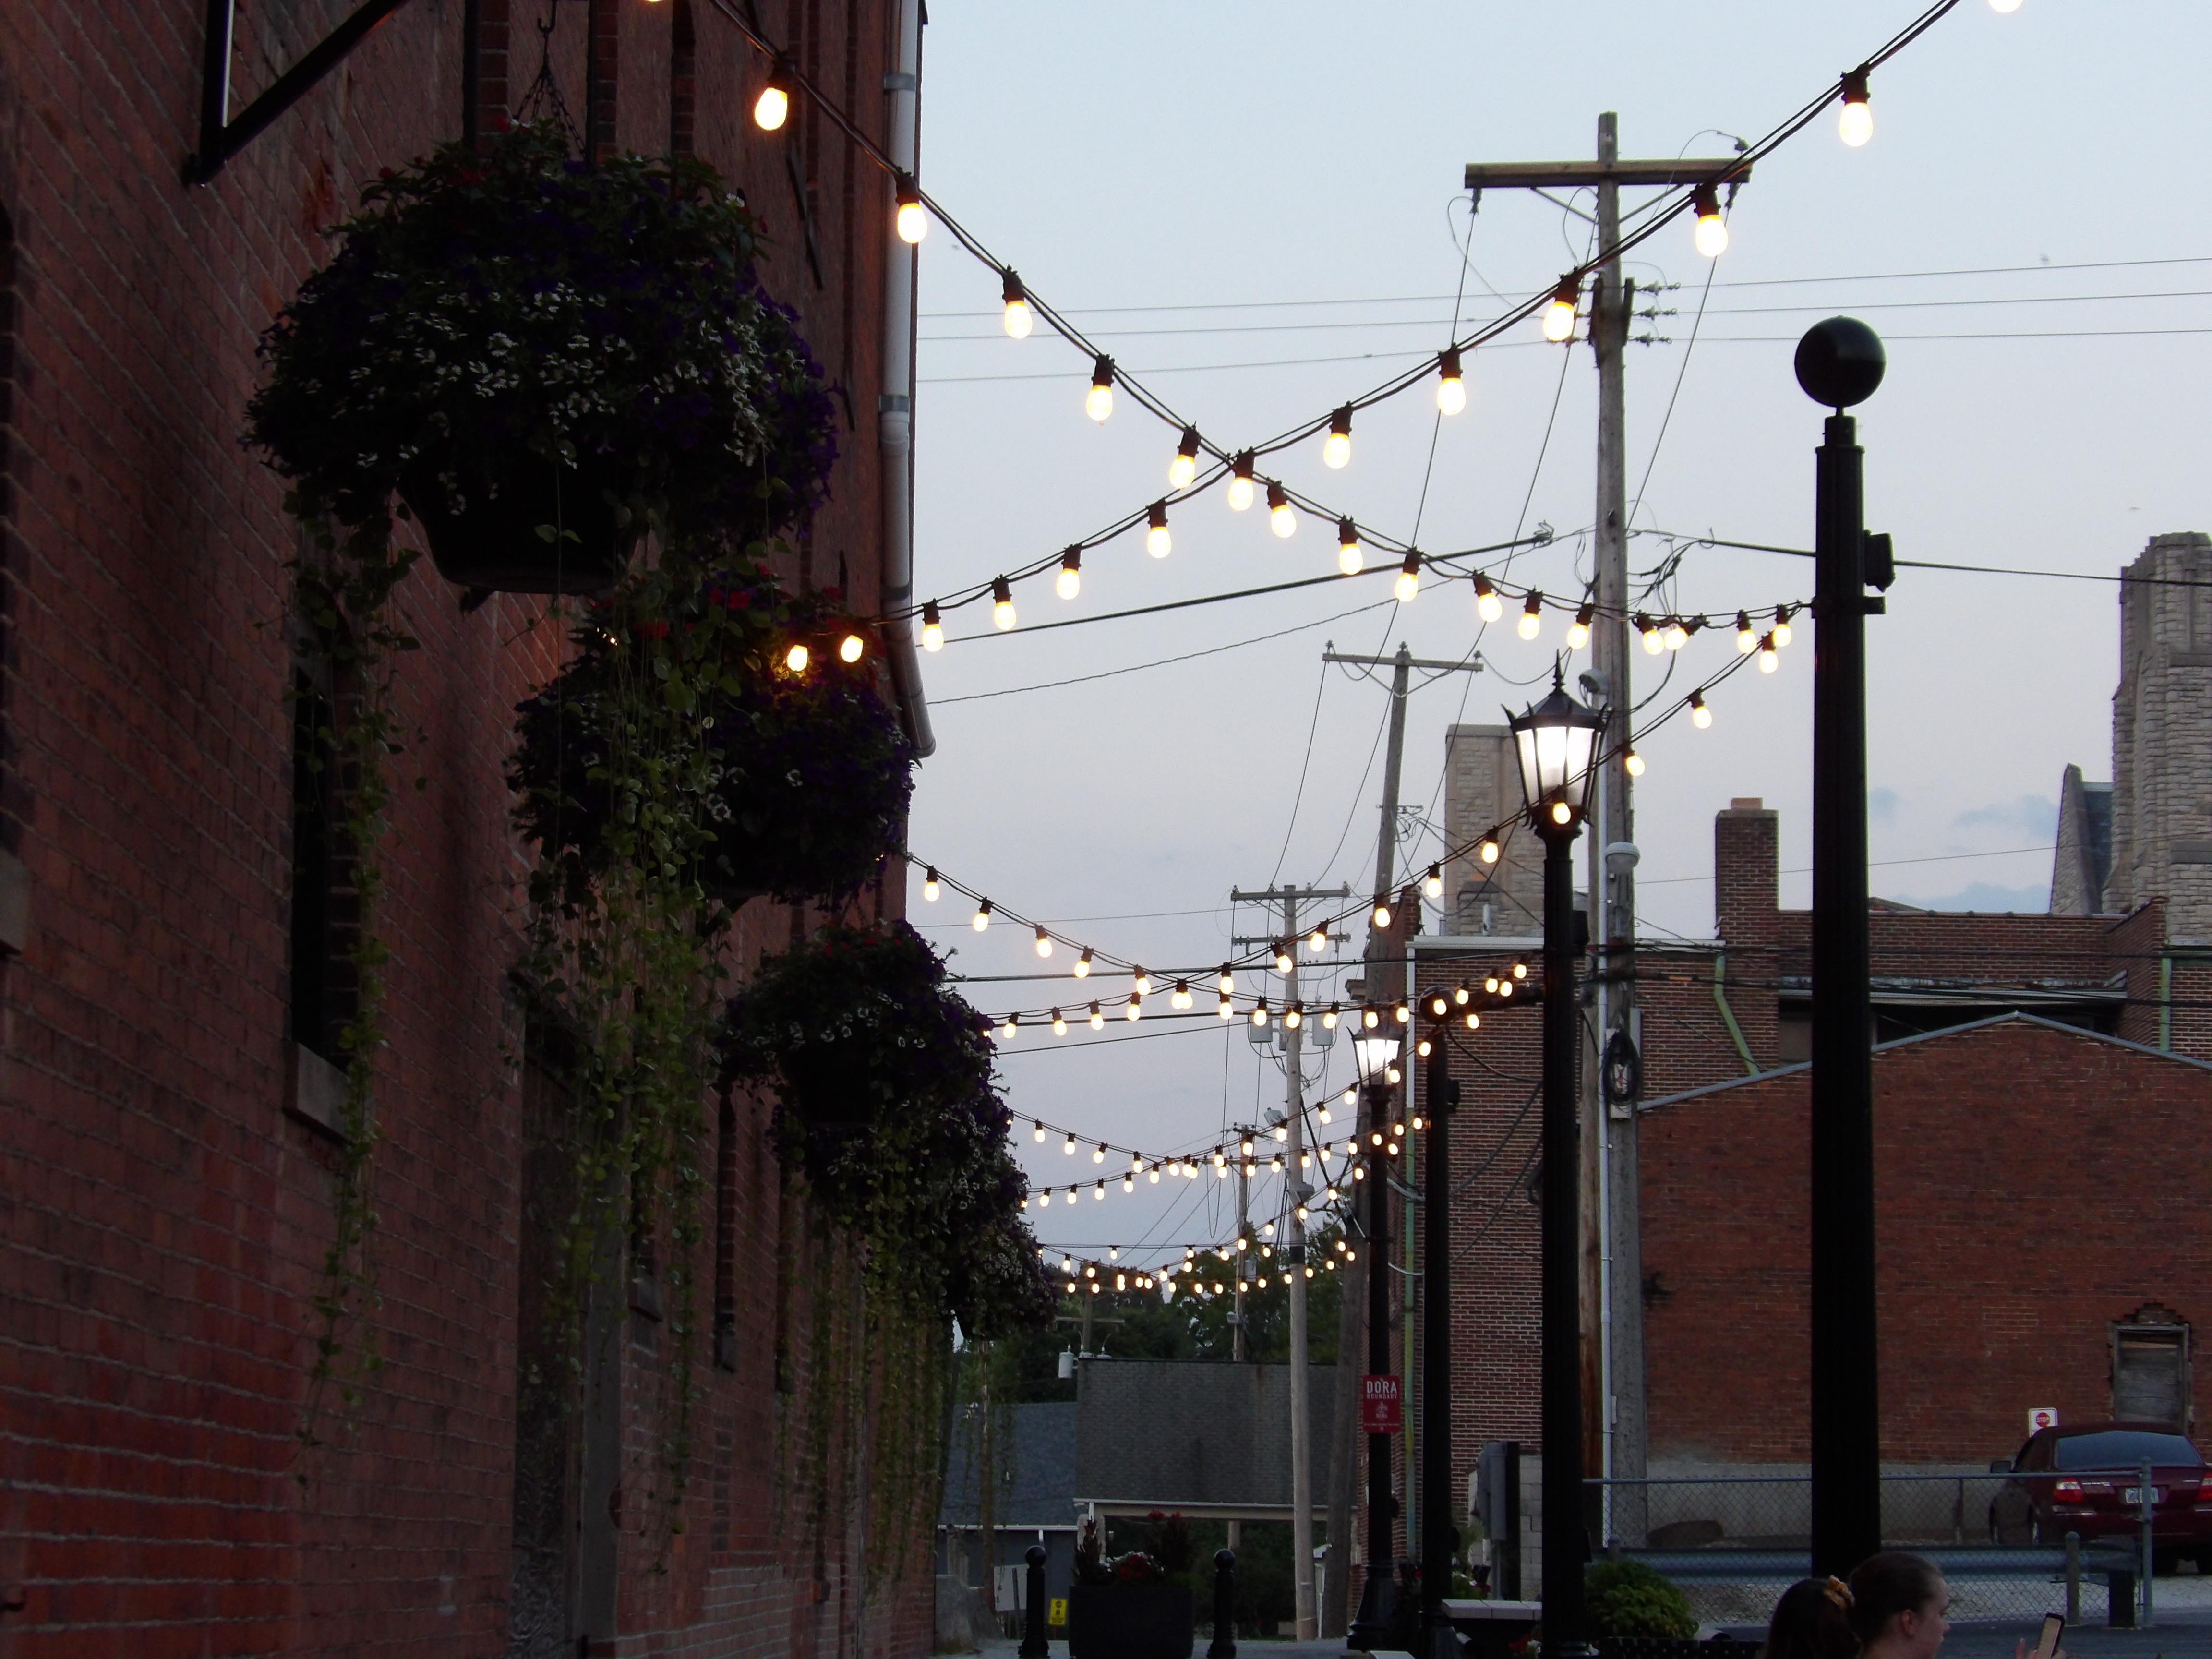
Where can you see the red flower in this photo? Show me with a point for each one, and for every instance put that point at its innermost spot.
(741, 601)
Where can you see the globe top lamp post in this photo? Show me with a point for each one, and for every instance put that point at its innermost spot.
(1377, 1624)
(1556, 742)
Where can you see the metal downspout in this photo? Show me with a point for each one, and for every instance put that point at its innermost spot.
(895, 407)
(1727, 1015)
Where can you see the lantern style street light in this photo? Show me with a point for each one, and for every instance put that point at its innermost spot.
(1374, 1625)
(1556, 742)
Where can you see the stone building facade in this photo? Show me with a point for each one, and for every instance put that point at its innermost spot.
(166, 1193)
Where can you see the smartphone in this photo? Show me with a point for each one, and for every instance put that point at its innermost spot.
(2054, 1625)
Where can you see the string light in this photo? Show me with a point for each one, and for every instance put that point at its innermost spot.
(912, 217)
(1069, 582)
(1769, 657)
(1143, 981)
(1433, 883)
(1487, 605)
(850, 647)
(932, 628)
(1317, 941)
(1228, 1009)
(1711, 235)
(1043, 941)
(1012, 1028)
(1336, 448)
(797, 658)
(1855, 125)
(1070, 1148)
(1097, 1019)
(1349, 559)
(982, 919)
(1473, 1020)
(1407, 587)
(1098, 1155)
(1240, 483)
(1135, 1011)
(1676, 635)
(1329, 1023)
(1747, 637)
(1293, 1016)
(930, 888)
(1181, 997)
(1382, 914)
(1018, 317)
(1371, 1019)
(772, 108)
(1040, 1130)
(1157, 542)
(1098, 403)
(1701, 716)
(1002, 603)
(1082, 964)
(1182, 470)
(1490, 850)
(1648, 632)
(1228, 980)
(1578, 631)
(1282, 518)
(1058, 1023)
(1781, 624)
(1285, 961)
(1260, 1013)
(1531, 616)
(1560, 315)
(1451, 389)
(1631, 763)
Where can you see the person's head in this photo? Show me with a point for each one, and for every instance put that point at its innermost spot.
(1812, 1621)
(1898, 1604)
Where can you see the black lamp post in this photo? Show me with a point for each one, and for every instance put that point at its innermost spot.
(1555, 742)
(1839, 363)
(1439, 1537)
(1377, 1052)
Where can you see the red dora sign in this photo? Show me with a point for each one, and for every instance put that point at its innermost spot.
(1380, 1410)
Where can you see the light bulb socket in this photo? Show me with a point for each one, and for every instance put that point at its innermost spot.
(1448, 363)
(1011, 290)
(1002, 591)
(1705, 200)
(1855, 86)
(1534, 607)
(1101, 372)
(1412, 566)
(909, 191)
(1072, 560)
(1189, 447)
(1340, 424)
(1157, 517)
(930, 615)
(1278, 497)
(1483, 587)
(1569, 292)
(1347, 534)
(1242, 466)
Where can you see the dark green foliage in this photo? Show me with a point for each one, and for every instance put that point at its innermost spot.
(1628, 1598)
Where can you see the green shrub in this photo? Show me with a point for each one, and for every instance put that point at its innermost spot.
(1628, 1598)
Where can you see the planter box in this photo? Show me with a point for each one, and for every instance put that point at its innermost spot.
(1130, 1621)
(494, 542)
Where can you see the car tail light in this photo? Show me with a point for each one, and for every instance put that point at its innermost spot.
(2066, 1491)
(2204, 1488)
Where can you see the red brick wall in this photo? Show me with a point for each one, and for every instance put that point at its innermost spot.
(162, 1222)
(2015, 1222)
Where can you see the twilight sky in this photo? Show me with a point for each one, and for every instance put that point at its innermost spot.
(1257, 208)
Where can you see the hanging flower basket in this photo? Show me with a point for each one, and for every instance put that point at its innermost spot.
(887, 1106)
(546, 363)
(787, 781)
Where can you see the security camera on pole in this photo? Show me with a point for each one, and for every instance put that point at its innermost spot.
(1556, 743)
(1839, 363)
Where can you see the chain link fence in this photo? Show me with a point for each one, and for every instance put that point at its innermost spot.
(1733, 1541)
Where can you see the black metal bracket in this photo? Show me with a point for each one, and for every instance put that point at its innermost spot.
(223, 137)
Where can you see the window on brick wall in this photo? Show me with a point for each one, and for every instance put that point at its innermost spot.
(325, 907)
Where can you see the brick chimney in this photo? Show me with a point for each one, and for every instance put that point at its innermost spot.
(1746, 860)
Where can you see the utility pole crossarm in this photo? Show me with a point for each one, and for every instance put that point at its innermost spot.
(1588, 175)
(1472, 665)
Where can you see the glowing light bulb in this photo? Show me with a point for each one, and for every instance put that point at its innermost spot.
(1781, 624)
(1018, 317)
(1578, 631)
(1405, 1016)
(1701, 716)
(932, 628)
(1142, 982)
(1011, 1029)
(1675, 636)
(1769, 657)
(2004, 7)
(1433, 883)
(1180, 996)
(1240, 483)
(1855, 125)
(1282, 518)
(1069, 582)
(912, 217)
(1648, 632)
(1317, 941)
(1407, 587)
(1520, 970)
(1098, 1153)
(1349, 559)
(1002, 603)
(1260, 1012)
(1040, 1132)
(1228, 980)
(1370, 1018)
(1336, 448)
(1531, 616)
(1058, 1023)
(1562, 813)
(982, 917)
(1712, 234)
(1489, 851)
(1487, 605)
(1182, 470)
(1473, 1021)
(1157, 542)
(1747, 637)
(772, 108)
(1285, 961)
(1082, 964)
(1293, 1016)
(1560, 315)
(797, 658)
(1382, 912)
(1451, 389)
(1098, 402)
(1097, 1019)
(1136, 1008)
(1228, 1009)
(929, 886)
(1043, 943)
(850, 647)
(1632, 763)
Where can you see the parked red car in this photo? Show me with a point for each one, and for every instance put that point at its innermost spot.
(2087, 1478)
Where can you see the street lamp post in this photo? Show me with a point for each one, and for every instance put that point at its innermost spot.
(1839, 363)
(1439, 1537)
(1373, 1625)
(1555, 742)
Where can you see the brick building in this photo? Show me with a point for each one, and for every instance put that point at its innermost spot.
(165, 1196)
(2026, 1064)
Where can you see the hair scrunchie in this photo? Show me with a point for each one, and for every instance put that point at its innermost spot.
(1838, 1592)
